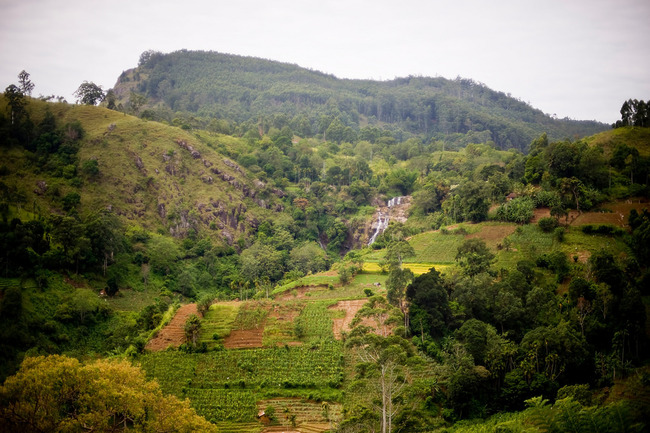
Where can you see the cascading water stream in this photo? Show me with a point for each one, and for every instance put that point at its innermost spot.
(383, 218)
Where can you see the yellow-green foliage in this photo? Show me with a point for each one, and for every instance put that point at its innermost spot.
(636, 137)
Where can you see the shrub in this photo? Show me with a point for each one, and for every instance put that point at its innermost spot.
(547, 224)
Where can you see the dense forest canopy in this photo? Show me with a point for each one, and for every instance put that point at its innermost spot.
(505, 290)
(242, 91)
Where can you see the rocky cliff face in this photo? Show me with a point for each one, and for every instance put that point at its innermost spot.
(395, 209)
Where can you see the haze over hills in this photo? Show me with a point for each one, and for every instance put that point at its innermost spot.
(247, 92)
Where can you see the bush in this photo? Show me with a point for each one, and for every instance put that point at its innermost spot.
(547, 224)
(604, 229)
(518, 210)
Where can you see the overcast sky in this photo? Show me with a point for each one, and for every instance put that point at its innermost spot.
(572, 58)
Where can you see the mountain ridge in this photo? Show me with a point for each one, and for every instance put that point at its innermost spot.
(252, 91)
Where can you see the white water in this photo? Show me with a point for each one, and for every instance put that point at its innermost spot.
(383, 218)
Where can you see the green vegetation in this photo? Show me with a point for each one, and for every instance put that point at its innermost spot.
(509, 292)
(199, 90)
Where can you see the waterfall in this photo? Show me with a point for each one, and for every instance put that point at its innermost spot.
(382, 219)
(382, 224)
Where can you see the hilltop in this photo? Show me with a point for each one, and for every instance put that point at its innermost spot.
(230, 92)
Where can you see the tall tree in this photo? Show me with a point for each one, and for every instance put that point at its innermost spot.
(89, 93)
(16, 103)
(474, 257)
(25, 84)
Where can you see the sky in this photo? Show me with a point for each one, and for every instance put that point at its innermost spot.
(569, 58)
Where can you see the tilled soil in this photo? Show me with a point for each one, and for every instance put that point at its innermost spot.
(174, 333)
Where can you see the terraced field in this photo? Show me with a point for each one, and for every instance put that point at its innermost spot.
(174, 333)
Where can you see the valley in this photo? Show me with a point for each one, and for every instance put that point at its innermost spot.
(256, 253)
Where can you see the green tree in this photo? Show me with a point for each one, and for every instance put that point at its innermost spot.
(308, 257)
(89, 93)
(389, 376)
(397, 252)
(518, 210)
(261, 260)
(25, 84)
(163, 253)
(474, 257)
(473, 201)
(57, 393)
(429, 303)
(192, 329)
(16, 103)
(398, 280)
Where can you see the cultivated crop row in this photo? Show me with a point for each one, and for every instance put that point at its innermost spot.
(223, 405)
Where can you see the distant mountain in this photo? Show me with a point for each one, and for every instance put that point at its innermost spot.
(235, 94)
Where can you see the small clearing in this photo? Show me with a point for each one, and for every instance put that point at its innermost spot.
(493, 234)
(174, 333)
(351, 308)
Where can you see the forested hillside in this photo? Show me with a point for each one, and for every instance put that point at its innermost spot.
(231, 94)
(269, 279)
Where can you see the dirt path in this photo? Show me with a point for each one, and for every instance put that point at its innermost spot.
(174, 333)
(350, 308)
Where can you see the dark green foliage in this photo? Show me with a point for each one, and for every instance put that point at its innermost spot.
(474, 257)
(556, 261)
(312, 103)
(429, 310)
(634, 113)
(547, 224)
(518, 210)
(89, 93)
(640, 240)
(603, 229)
(473, 202)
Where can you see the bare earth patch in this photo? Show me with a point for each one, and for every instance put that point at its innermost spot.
(351, 308)
(174, 333)
(493, 234)
(244, 338)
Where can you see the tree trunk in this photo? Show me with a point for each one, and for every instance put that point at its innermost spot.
(383, 399)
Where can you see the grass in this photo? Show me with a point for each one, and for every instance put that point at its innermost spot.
(576, 241)
(309, 280)
(218, 321)
(132, 300)
(435, 247)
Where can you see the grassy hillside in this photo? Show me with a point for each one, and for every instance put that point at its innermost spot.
(154, 176)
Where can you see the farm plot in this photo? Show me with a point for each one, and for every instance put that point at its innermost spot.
(218, 322)
(313, 366)
(315, 322)
(350, 308)
(174, 333)
(248, 326)
(172, 370)
(224, 385)
(318, 415)
(436, 247)
(223, 405)
(279, 327)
